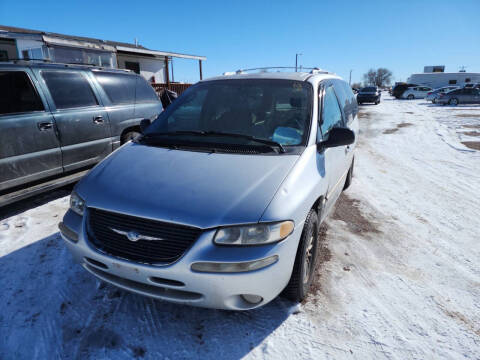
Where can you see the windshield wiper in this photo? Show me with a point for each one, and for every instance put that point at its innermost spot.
(270, 143)
(248, 137)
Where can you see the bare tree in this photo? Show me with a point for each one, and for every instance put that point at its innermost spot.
(383, 77)
(380, 77)
(357, 85)
(369, 77)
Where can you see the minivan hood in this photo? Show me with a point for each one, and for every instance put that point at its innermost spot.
(192, 188)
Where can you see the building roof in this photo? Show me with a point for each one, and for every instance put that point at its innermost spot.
(119, 46)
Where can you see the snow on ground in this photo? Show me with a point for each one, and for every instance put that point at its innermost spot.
(400, 277)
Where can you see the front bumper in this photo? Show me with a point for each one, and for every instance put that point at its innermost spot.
(368, 98)
(178, 283)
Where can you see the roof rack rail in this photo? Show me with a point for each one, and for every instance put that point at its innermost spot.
(313, 70)
(50, 62)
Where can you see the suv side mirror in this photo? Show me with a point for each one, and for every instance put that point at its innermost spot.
(337, 137)
(144, 124)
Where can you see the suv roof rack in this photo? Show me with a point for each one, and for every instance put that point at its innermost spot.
(50, 62)
(313, 70)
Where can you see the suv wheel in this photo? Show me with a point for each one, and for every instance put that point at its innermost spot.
(348, 180)
(304, 267)
(453, 101)
(410, 97)
(131, 135)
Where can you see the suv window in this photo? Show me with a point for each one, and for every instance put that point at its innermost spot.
(331, 114)
(120, 88)
(144, 91)
(17, 93)
(69, 89)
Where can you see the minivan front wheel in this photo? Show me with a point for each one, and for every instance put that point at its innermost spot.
(304, 267)
(410, 97)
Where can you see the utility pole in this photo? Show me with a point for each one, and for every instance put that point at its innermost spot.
(296, 61)
(350, 79)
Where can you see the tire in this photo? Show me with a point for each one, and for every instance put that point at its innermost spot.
(304, 267)
(453, 101)
(129, 136)
(377, 102)
(411, 97)
(348, 180)
(434, 101)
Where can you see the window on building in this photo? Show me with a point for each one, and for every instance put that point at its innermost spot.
(134, 66)
(331, 114)
(72, 55)
(17, 93)
(3, 55)
(467, 80)
(69, 89)
(452, 82)
(120, 88)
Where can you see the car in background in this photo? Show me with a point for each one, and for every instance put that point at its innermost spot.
(460, 96)
(473, 85)
(416, 92)
(434, 94)
(369, 94)
(58, 120)
(155, 219)
(399, 89)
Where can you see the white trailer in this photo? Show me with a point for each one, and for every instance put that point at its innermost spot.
(439, 79)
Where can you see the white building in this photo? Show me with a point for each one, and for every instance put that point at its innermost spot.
(153, 65)
(435, 77)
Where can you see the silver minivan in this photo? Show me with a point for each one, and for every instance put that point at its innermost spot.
(219, 202)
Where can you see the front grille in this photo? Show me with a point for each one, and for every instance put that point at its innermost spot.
(176, 238)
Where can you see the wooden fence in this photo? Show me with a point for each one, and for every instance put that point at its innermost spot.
(178, 88)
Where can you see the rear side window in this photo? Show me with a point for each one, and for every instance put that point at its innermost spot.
(69, 89)
(331, 114)
(144, 91)
(120, 88)
(17, 93)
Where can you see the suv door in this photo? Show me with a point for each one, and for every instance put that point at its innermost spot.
(118, 90)
(80, 117)
(29, 148)
(335, 158)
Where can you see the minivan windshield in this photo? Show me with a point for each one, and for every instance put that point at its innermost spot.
(253, 112)
(369, 89)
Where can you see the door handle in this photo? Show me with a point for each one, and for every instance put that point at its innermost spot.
(98, 119)
(42, 126)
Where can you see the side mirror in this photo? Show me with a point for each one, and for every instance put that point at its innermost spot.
(337, 137)
(144, 124)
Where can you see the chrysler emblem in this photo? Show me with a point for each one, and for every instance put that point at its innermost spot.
(135, 236)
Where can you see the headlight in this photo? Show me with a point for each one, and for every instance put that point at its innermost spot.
(77, 204)
(258, 234)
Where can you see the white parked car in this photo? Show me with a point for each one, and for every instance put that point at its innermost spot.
(416, 92)
(435, 94)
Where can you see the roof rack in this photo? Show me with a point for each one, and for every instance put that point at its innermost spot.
(314, 70)
(50, 62)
